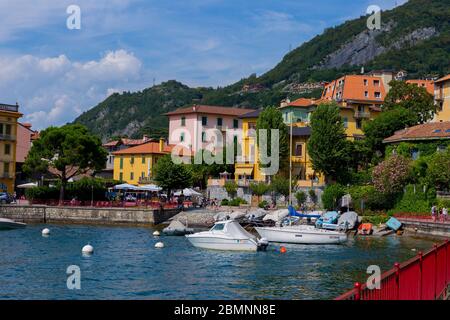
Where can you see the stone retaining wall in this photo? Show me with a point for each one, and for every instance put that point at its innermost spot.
(47, 214)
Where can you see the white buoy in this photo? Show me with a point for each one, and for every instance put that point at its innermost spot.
(87, 249)
(156, 233)
(159, 245)
(45, 232)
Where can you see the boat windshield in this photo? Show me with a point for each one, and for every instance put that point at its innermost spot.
(218, 227)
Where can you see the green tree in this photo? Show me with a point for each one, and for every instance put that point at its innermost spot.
(301, 197)
(331, 195)
(231, 188)
(313, 196)
(438, 173)
(280, 185)
(327, 146)
(384, 126)
(412, 98)
(271, 118)
(259, 189)
(170, 176)
(69, 150)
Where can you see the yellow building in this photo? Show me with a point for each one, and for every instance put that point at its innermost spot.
(442, 99)
(9, 114)
(135, 165)
(247, 169)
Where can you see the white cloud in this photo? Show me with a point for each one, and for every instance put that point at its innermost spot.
(54, 90)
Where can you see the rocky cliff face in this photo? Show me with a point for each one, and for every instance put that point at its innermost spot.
(365, 47)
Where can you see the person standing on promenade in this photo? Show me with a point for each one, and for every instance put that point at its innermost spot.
(444, 214)
(433, 213)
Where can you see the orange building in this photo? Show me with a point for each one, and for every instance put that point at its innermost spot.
(427, 84)
(442, 99)
(360, 98)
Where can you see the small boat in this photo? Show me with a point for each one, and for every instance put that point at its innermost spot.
(328, 221)
(393, 224)
(301, 234)
(176, 228)
(365, 229)
(8, 224)
(227, 235)
(348, 220)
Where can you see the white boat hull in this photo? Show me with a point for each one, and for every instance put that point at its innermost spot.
(219, 243)
(299, 235)
(8, 224)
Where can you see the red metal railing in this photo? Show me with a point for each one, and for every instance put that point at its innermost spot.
(424, 277)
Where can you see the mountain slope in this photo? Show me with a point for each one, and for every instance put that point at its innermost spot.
(414, 37)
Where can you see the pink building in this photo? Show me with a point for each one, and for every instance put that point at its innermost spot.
(197, 127)
(24, 138)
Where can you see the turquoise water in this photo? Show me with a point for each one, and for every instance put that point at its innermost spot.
(126, 265)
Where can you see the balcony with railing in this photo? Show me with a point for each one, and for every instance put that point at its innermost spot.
(7, 137)
(145, 180)
(6, 175)
(362, 115)
(9, 107)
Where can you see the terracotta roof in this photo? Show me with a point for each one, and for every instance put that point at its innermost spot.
(427, 84)
(127, 142)
(111, 143)
(446, 78)
(229, 111)
(302, 102)
(150, 148)
(427, 131)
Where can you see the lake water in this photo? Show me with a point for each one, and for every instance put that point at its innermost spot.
(126, 265)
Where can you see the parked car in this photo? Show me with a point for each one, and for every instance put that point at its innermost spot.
(5, 198)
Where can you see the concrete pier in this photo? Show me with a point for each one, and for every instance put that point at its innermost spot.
(426, 226)
(92, 215)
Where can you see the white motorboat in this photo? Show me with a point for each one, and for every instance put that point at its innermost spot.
(301, 234)
(227, 235)
(8, 224)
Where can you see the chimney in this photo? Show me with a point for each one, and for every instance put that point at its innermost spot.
(145, 138)
(161, 144)
(362, 70)
(194, 107)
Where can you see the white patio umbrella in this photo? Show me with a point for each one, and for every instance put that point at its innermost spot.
(125, 186)
(188, 192)
(150, 187)
(27, 185)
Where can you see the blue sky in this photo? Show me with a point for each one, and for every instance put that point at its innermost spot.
(56, 73)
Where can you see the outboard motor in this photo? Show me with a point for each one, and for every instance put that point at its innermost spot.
(262, 244)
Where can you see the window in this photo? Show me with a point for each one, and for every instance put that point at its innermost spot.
(437, 131)
(377, 95)
(235, 123)
(218, 227)
(441, 148)
(143, 160)
(366, 82)
(376, 83)
(121, 163)
(219, 122)
(182, 137)
(7, 148)
(142, 175)
(358, 124)
(6, 168)
(203, 136)
(366, 94)
(345, 120)
(131, 175)
(1, 128)
(8, 129)
(415, 154)
(183, 121)
(252, 125)
(132, 160)
(298, 150)
(235, 140)
(111, 159)
(121, 176)
(204, 121)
